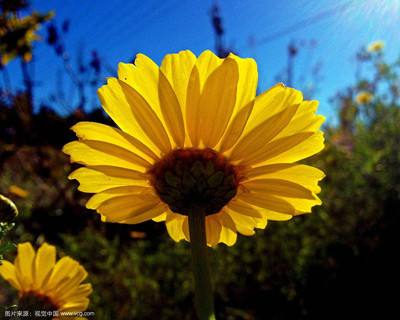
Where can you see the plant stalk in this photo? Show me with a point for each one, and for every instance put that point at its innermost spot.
(201, 271)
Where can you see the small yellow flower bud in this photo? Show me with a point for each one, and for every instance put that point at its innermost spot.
(8, 210)
(364, 97)
(375, 46)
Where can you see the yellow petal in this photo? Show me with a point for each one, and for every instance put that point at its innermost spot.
(60, 273)
(205, 65)
(298, 196)
(236, 127)
(150, 82)
(66, 274)
(100, 132)
(288, 149)
(44, 263)
(24, 263)
(278, 187)
(213, 229)
(119, 206)
(7, 271)
(259, 136)
(302, 206)
(171, 111)
(185, 228)
(79, 292)
(147, 118)
(271, 102)
(275, 108)
(92, 153)
(143, 77)
(304, 120)
(247, 84)
(161, 217)
(243, 208)
(192, 107)
(73, 280)
(278, 209)
(75, 306)
(95, 201)
(306, 176)
(177, 69)
(130, 207)
(245, 231)
(246, 216)
(217, 101)
(151, 214)
(100, 178)
(275, 213)
(262, 223)
(246, 90)
(114, 102)
(297, 141)
(228, 232)
(244, 224)
(174, 224)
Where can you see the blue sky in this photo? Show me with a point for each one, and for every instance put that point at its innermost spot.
(327, 33)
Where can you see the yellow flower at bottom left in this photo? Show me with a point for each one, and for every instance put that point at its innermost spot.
(45, 285)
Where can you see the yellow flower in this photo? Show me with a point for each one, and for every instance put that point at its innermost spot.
(15, 190)
(44, 284)
(17, 35)
(364, 97)
(375, 46)
(193, 131)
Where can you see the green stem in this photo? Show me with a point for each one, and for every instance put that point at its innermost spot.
(201, 271)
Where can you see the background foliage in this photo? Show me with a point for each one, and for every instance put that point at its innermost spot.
(339, 261)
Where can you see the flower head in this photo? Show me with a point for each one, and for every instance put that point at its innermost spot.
(375, 46)
(44, 284)
(193, 132)
(364, 97)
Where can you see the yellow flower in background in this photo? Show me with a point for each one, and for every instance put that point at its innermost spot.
(15, 190)
(45, 285)
(364, 97)
(193, 132)
(375, 46)
(17, 35)
(137, 235)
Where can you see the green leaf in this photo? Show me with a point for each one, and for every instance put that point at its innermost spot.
(7, 247)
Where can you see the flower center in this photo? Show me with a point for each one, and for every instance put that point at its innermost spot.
(35, 302)
(187, 177)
